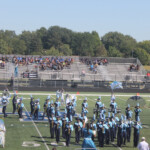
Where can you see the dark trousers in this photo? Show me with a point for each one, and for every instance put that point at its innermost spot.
(136, 139)
(68, 139)
(101, 139)
(20, 112)
(107, 136)
(32, 110)
(36, 114)
(124, 137)
(4, 111)
(52, 131)
(14, 108)
(57, 135)
(63, 132)
(119, 139)
(112, 134)
(77, 136)
(128, 134)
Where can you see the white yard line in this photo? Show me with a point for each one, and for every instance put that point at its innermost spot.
(116, 146)
(37, 130)
(78, 94)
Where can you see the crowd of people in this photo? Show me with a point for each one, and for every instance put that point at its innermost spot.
(106, 124)
(94, 63)
(45, 63)
(3, 60)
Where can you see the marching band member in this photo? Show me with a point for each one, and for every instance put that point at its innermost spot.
(113, 106)
(5, 101)
(85, 111)
(46, 107)
(67, 99)
(58, 125)
(129, 128)
(108, 131)
(69, 111)
(137, 128)
(58, 94)
(78, 127)
(98, 105)
(52, 120)
(31, 105)
(20, 107)
(36, 109)
(57, 107)
(51, 109)
(84, 104)
(137, 111)
(62, 96)
(120, 133)
(14, 102)
(128, 112)
(74, 104)
(93, 128)
(68, 130)
(65, 120)
(102, 130)
(102, 112)
(6, 93)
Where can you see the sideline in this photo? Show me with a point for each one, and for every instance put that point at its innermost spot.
(37, 130)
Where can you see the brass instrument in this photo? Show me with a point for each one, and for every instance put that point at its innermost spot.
(52, 123)
(18, 107)
(69, 130)
(57, 125)
(78, 127)
(45, 108)
(35, 108)
(64, 123)
(103, 129)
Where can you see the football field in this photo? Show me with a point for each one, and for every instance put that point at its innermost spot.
(23, 135)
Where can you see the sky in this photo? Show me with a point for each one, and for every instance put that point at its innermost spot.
(130, 17)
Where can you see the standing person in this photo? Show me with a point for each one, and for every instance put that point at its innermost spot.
(68, 130)
(20, 107)
(93, 128)
(46, 106)
(87, 142)
(14, 102)
(129, 129)
(78, 127)
(98, 106)
(128, 112)
(58, 125)
(36, 109)
(137, 128)
(31, 105)
(143, 145)
(65, 121)
(52, 120)
(57, 107)
(137, 111)
(84, 104)
(5, 101)
(62, 96)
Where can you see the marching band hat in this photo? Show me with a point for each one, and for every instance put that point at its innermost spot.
(137, 104)
(99, 98)
(48, 97)
(128, 105)
(85, 99)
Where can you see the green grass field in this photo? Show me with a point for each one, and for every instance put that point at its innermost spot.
(19, 132)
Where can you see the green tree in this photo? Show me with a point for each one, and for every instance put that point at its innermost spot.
(65, 50)
(4, 48)
(143, 56)
(145, 45)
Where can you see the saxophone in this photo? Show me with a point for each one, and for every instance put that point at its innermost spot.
(57, 125)
(35, 108)
(102, 129)
(69, 131)
(78, 127)
(64, 123)
(18, 107)
(45, 108)
(52, 123)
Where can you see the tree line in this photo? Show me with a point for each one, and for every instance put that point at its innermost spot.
(58, 41)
